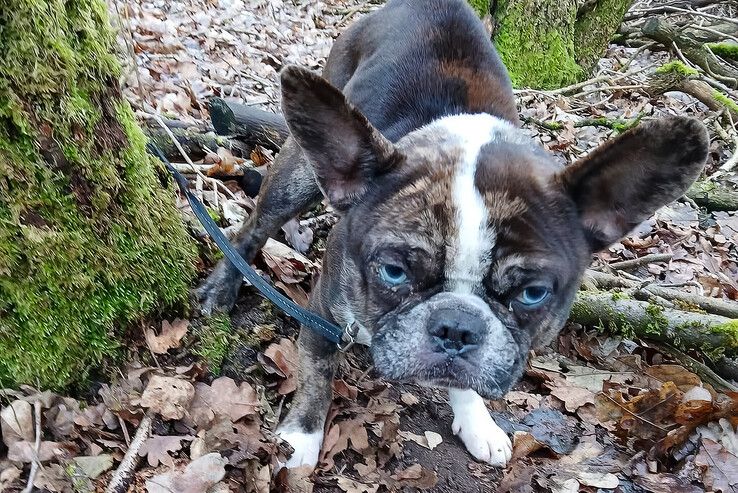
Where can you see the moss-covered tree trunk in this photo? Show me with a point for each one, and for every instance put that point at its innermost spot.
(89, 238)
(552, 43)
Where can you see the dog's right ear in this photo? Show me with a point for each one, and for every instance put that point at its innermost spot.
(345, 150)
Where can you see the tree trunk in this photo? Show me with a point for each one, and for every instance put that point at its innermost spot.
(89, 237)
(552, 43)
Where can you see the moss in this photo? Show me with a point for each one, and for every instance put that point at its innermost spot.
(676, 68)
(725, 50)
(480, 6)
(538, 54)
(89, 240)
(619, 295)
(725, 101)
(594, 28)
(656, 322)
(214, 339)
(729, 330)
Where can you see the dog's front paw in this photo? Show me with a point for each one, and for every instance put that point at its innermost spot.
(484, 440)
(218, 293)
(306, 446)
(481, 436)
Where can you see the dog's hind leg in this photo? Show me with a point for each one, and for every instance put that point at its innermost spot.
(288, 189)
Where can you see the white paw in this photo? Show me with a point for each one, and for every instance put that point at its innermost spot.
(481, 436)
(306, 445)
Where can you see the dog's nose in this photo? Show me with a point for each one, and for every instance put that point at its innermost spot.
(455, 331)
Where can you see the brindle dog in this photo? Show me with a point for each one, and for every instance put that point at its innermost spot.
(461, 243)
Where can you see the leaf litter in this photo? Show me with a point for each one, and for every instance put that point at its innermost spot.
(599, 413)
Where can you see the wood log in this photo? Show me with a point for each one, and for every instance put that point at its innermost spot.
(247, 124)
(603, 281)
(194, 140)
(714, 196)
(688, 330)
(698, 53)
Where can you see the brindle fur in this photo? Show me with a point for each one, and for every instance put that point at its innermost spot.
(361, 136)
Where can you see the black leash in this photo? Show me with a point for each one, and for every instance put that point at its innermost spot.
(343, 338)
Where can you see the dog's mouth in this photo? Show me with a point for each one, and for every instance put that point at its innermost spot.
(441, 370)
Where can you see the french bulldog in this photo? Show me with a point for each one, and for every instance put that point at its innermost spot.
(461, 242)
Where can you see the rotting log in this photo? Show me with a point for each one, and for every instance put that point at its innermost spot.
(194, 140)
(715, 306)
(615, 312)
(696, 52)
(714, 196)
(247, 124)
(90, 240)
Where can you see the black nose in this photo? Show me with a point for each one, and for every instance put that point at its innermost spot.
(455, 331)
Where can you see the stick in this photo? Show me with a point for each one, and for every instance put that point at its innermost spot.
(122, 477)
(683, 329)
(646, 259)
(37, 446)
(710, 305)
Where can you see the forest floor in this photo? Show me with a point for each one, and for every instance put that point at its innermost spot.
(597, 411)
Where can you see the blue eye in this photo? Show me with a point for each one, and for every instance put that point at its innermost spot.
(534, 295)
(393, 275)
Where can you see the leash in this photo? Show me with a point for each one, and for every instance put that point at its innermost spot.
(343, 338)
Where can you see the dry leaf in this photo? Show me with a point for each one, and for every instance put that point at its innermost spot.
(168, 396)
(197, 477)
(16, 422)
(222, 398)
(283, 359)
(719, 467)
(170, 337)
(156, 449)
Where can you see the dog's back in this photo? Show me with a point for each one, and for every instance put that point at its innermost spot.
(414, 61)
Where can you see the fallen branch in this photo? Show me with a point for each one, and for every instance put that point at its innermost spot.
(696, 52)
(689, 330)
(123, 476)
(194, 141)
(645, 292)
(637, 262)
(714, 196)
(247, 124)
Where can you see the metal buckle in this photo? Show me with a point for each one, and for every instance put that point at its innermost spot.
(349, 337)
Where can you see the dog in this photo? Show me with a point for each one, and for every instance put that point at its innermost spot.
(461, 243)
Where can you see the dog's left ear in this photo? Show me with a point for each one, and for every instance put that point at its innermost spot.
(345, 150)
(625, 181)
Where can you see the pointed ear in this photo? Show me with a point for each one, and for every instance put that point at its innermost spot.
(345, 150)
(626, 180)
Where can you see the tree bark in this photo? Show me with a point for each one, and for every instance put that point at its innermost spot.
(547, 44)
(90, 239)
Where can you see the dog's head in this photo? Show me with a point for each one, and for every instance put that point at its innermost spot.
(463, 244)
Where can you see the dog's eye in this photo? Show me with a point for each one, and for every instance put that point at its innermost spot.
(532, 296)
(393, 275)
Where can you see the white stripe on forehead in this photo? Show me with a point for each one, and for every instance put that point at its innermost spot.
(470, 248)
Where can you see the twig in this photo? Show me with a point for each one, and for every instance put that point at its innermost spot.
(207, 179)
(705, 372)
(125, 431)
(122, 477)
(613, 88)
(646, 259)
(36, 445)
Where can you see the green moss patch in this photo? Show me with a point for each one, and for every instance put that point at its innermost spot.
(89, 239)
(677, 68)
(215, 338)
(537, 46)
(725, 50)
(481, 6)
